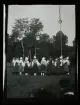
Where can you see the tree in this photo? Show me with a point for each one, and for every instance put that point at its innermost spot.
(44, 37)
(21, 26)
(57, 43)
(57, 39)
(35, 26)
(25, 28)
(8, 38)
(51, 40)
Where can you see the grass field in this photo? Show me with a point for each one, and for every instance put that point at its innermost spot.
(21, 86)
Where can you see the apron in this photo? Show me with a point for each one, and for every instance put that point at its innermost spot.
(26, 69)
(43, 68)
(21, 68)
(16, 68)
(66, 69)
(35, 68)
(50, 67)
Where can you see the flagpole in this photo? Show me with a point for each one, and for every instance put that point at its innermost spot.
(60, 22)
(35, 46)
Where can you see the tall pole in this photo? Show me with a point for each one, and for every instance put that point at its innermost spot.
(21, 36)
(22, 47)
(35, 45)
(60, 21)
(30, 54)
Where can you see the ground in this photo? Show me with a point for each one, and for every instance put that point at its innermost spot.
(20, 86)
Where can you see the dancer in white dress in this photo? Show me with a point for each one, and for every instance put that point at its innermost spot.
(43, 66)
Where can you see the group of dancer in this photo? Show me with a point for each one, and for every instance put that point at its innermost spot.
(44, 66)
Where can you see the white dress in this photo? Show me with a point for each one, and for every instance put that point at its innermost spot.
(20, 61)
(55, 63)
(27, 62)
(38, 64)
(47, 62)
(43, 62)
(14, 62)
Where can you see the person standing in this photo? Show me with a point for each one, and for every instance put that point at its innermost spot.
(58, 66)
(35, 65)
(66, 65)
(55, 62)
(21, 66)
(43, 68)
(62, 64)
(47, 61)
(27, 65)
(21, 70)
(61, 60)
(50, 66)
(13, 62)
(68, 61)
(16, 67)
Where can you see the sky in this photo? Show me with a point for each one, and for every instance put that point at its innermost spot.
(49, 16)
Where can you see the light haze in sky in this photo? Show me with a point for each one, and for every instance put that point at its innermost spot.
(49, 16)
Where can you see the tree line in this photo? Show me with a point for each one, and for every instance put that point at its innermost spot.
(31, 29)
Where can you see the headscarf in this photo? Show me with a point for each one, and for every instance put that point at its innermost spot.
(43, 61)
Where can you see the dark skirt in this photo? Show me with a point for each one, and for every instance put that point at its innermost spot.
(50, 68)
(35, 68)
(21, 68)
(26, 69)
(16, 69)
(66, 68)
(43, 69)
(59, 70)
(62, 69)
(30, 70)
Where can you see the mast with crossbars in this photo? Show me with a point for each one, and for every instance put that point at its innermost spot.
(60, 22)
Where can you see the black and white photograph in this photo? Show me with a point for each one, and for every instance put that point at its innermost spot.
(40, 52)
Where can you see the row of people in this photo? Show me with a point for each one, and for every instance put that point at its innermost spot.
(57, 61)
(43, 66)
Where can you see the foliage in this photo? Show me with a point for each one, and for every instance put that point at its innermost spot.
(44, 37)
(31, 29)
(25, 27)
(57, 39)
(21, 26)
(35, 26)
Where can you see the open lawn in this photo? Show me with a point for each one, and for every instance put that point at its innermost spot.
(21, 86)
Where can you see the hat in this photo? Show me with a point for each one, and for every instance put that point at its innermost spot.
(21, 58)
(43, 58)
(61, 57)
(26, 58)
(67, 58)
(34, 57)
